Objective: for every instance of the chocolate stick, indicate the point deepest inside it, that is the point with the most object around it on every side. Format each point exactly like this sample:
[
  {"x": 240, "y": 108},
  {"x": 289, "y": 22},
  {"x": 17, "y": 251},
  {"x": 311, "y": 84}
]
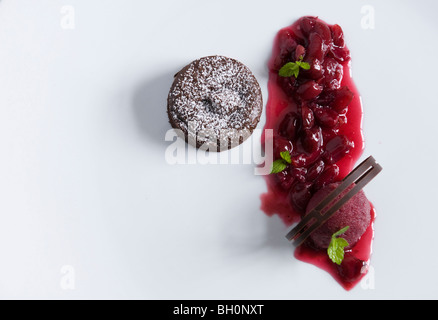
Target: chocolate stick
[{"x": 357, "y": 179}]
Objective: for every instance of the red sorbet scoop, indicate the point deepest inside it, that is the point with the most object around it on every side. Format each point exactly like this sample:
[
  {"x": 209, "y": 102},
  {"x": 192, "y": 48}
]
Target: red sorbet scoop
[{"x": 356, "y": 214}]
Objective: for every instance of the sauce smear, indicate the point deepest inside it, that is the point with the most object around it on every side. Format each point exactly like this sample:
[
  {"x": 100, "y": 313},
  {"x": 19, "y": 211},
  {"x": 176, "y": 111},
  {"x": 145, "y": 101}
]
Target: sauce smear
[{"x": 317, "y": 118}]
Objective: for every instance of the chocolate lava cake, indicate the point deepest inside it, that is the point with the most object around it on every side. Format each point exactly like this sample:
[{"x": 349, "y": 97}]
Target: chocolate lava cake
[{"x": 215, "y": 102}]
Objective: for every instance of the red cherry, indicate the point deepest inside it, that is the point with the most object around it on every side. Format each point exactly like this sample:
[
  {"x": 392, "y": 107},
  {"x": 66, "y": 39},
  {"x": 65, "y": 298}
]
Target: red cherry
[
  {"x": 328, "y": 176},
  {"x": 287, "y": 45},
  {"x": 337, "y": 35},
  {"x": 286, "y": 41},
  {"x": 337, "y": 148},
  {"x": 351, "y": 268},
  {"x": 309, "y": 90},
  {"x": 307, "y": 117},
  {"x": 288, "y": 85},
  {"x": 300, "y": 196},
  {"x": 281, "y": 145},
  {"x": 299, "y": 174},
  {"x": 315, "y": 170},
  {"x": 285, "y": 180},
  {"x": 316, "y": 70},
  {"x": 324, "y": 31},
  {"x": 342, "y": 99},
  {"x": 312, "y": 140},
  {"x": 326, "y": 117},
  {"x": 340, "y": 54},
  {"x": 289, "y": 126},
  {"x": 316, "y": 48},
  {"x": 307, "y": 24},
  {"x": 333, "y": 74}
]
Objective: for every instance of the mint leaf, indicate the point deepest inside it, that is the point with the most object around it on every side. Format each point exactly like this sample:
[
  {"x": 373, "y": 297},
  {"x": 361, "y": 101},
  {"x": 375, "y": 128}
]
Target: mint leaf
[
  {"x": 335, "y": 250},
  {"x": 281, "y": 164},
  {"x": 285, "y": 155},
  {"x": 342, "y": 231},
  {"x": 296, "y": 72},
  {"x": 303, "y": 65},
  {"x": 278, "y": 166},
  {"x": 336, "y": 247},
  {"x": 288, "y": 70},
  {"x": 293, "y": 68}
]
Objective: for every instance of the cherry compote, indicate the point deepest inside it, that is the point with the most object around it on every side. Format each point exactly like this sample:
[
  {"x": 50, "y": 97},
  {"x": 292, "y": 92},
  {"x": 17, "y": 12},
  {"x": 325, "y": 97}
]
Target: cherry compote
[{"x": 316, "y": 116}]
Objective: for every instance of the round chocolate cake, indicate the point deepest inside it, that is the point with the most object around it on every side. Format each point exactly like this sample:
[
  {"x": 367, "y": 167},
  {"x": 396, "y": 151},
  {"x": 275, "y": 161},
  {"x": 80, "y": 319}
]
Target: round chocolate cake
[{"x": 215, "y": 102}]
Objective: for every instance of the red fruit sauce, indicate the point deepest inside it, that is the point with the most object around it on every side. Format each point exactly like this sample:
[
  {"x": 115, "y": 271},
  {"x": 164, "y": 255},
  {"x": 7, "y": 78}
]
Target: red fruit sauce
[{"x": 317, "y": 117}]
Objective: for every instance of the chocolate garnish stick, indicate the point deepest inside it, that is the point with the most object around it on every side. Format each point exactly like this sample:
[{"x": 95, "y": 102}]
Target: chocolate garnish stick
[{"x": 356, "y": 180}]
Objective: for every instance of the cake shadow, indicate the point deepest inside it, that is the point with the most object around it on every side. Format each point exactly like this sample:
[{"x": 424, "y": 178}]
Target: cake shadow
[{"x": 149, "y": 103}]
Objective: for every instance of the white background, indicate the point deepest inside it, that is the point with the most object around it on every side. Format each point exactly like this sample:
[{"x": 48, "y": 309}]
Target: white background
[{"x": 84, "y": 182}]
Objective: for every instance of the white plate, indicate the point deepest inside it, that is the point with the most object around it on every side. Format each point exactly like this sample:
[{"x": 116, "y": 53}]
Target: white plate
[{"x": 91, "y": 208}]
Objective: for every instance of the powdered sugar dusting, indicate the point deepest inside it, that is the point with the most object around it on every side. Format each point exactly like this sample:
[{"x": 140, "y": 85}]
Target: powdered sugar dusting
[{"x": 214, "y": 94}]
